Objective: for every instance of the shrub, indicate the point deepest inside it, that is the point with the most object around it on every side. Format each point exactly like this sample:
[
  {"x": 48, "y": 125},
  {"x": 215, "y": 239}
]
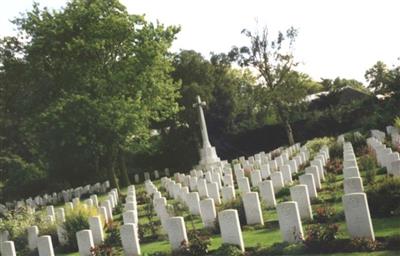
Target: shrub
[
  {"x": 285, "y": 191},
  {"x": 20, "y": 174},
  {"x": 16, "y": 222},
  {"x": 334, "y": 166},
  {"x": 324, "y": 214},
  {"x": 363, "y": 245},
  {"x": 319, "y": 236},
  {"x": 357, "y": 140},
  {"x": 384, "y": 197},
  {"x": 316, "y": 144},
  {"x": 336, "y": 150},
  {"x": 77, "y": 220},
  {"x": 228, "y": 249},
  {"x": 101, "y": 250},
  {"x": 397, "y": 122},
  {"x": 114, "y": 238},
  {"x": 197, "y": 246}
]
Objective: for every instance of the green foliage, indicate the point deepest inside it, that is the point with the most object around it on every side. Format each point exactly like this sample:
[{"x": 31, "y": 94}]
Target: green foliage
[
  {"x": 196, "y": 246},
  {"x": 368, "y": 164},
  {"x": 384, "y": 197},
  {"x": 318, "y": 237},
  {"x": 393, "y": 242},
  {"x": 358, "y": 141},
  {"x": 336, "y": 150},
  {"x": 316, "y": 144},
  {"x": 334, "y": 166},
  {"x": 228, "y": 249},
  {"x": 397, "y": 122},
  {"x": 283, "y": 192},
  {"x": 18, "y": 173},
  {"x": 77, "y": 220},
  {"x": 94, "y": 78},
  {"x": 114, "y": 238},
  {"x": 324, "y": 214},
  {"x": 363, "y": 245}
]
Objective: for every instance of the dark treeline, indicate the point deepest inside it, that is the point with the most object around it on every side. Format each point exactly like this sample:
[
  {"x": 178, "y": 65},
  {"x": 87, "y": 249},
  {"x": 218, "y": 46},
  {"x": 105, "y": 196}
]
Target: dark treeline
[{"x": 91, "y": 92}]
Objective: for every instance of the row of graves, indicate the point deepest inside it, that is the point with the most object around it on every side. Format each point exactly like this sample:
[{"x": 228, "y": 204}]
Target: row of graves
[{"x": 202, "y": 191}]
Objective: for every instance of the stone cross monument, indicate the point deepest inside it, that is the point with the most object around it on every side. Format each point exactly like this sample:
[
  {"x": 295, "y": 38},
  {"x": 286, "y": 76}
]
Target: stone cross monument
[{"x": 208, "y": 155}]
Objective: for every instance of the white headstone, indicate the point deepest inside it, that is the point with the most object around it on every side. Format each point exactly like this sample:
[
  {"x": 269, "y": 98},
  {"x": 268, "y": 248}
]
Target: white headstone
[
  {"x": 300, "y": 195},
  {"x": 252, "y": 208},
  {"x": 213, "y": 192},
  {"x": 176, "y": 232},
  {"x": 130, "y": 239},
  {"x": 308, "y": 179},
  {"x": 243, "y": 184},
  {"x": 267, "y": 193},
  {"x": 97, "y": 229},
  {"x": 207, "y": 212},
  {"x": 228, "y": 194},
  {"x": 33, "y": 234},
  {"x": 231, "y": 232},
  {"x": 45, "y": 246},
  {"x": 277, "y": 181},
  {"x": 85, "y": 242},
  {"x": 289, "y": 222},
  {"x": 358, "y": 219},
  {"x": 353, "y": 185}
]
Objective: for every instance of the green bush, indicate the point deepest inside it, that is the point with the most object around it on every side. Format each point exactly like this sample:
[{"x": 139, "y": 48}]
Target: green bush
[
  {"x": 336, "y": 150},
  {"x": 77, "y": 220},
  {"x": 227, "y": 249},
  {"x": 197, "y": 246},
  {"x": 316, "y": 144},
  {"x": 397, "y": 122},
  {"x": 318, "y": 237},
  {"x": 285, "y": 191},
  {"x": 384, "y": 197},
  {"x": 358, "y": 141},
  {"x": 20, "y": 174},
  {"x": 363, "y": 245},
  {"x": 368, "y": 164}
]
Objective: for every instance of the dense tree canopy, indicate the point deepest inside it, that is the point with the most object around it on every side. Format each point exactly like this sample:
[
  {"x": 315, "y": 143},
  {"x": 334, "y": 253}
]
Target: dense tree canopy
[{"x": 82, "y": 84}]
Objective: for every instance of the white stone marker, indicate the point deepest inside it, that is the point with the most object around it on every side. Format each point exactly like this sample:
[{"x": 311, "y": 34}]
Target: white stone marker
[
  {"x": 277, "y": 181},
  {"x": 255, "y": 177},
  {"x": 85, "y": 242},
  {"x": 213, "y": 192},
  {"x": 289, "y": 222},
  {"x": 243, "y": 184},
  {"x": 95, "y": 200},
  {"x": 7, "y": 248},
  {"x": 353, "y": 185},
  {"x": 265, "y": 171},
  {"x": 50, "y": 210},
  {"x": 286, "y": 174},
  {"x": 176, "y": 232},
  {"x": 207, "y": 212},
  {"x": 103, "y": 213},
  {"x": 314, "y": 171},
  {"x": 228, "y": 194},
  {"x": 308, "y": 179},
  {"x": 202, "y": 188},
  {"x": 350, "y": 172},
  {"x": 33, "y": 234},
  {"x": 193, "y": 202},
  {"x": 130, "y": 217},
  {"x": 130, "y": 239},
  {"x": 252, "y": 208},
  {"x": 300, "y": 195},
  {"x": 229, "y": 224},
  {"x": 267, "y": 193},
  {"x": 60, "y": 215},
  {"x": 45, "y": 246},
  {"x": 97, "y": 229},
  {"x": 358, "y": 219},
  {"x": 228, "y": 180}
]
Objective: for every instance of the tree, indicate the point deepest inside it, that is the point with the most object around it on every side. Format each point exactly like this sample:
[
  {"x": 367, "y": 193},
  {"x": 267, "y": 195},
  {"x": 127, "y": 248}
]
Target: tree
[
  {"x": 378, "y": 77},
  {"x": 281, "y": 87},
  {"x": 96, "y": 79}
]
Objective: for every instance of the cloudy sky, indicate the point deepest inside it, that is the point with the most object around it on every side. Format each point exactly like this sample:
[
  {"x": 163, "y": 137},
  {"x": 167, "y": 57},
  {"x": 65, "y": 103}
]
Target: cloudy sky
[{"x": 336, "y": 37}]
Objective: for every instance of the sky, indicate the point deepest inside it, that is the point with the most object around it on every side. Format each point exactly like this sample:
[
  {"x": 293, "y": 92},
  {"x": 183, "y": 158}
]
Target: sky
[{"x": 336, "y": 37}]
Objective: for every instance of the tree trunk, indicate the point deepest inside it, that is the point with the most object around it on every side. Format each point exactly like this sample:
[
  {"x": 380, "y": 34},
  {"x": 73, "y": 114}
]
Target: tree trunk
[
  {"x": 111, "y": 169},
  {"x": 289, "y": 132},
  {"x": 124, "y": 178}
]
